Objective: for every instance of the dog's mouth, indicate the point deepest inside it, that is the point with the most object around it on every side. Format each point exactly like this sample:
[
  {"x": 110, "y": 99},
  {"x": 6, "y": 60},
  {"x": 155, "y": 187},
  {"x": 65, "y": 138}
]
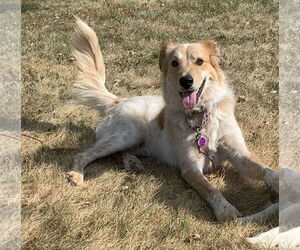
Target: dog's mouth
[{"x": 190, "y": 98}]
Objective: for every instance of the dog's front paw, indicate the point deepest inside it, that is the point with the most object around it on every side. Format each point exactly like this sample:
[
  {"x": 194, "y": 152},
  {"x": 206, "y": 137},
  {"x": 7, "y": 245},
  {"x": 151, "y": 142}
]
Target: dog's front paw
[
  {"x": 75, "y": 177},
  {"x": 271, "y": 179},
  {"x": 226, "y": 212}
]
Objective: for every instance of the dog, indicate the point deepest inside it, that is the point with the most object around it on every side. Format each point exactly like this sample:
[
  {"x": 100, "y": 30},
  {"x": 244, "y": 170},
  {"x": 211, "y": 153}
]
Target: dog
[{"x": 191, "y": 126}]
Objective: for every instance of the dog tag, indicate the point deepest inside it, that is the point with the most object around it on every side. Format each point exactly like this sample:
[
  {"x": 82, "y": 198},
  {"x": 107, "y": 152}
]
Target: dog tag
[{"x": 202, "y": 141}]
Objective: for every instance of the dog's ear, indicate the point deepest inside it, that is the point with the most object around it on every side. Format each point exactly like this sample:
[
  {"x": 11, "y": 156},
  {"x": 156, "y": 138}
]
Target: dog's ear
[
  {"x": 215, "y": 55},
  {"x": 212, "y": 47},
  {"x": 165, "y": 49}
]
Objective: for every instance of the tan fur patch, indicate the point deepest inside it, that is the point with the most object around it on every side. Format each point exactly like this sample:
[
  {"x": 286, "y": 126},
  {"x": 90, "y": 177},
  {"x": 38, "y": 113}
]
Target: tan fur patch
[
  {"x": 75, "y": 177},
  {"x": 160, "y": 119},
  {"x": 119, "y": 100},
  {"x": 206, "y": 50},
  {"x": 226, "y": 105}
]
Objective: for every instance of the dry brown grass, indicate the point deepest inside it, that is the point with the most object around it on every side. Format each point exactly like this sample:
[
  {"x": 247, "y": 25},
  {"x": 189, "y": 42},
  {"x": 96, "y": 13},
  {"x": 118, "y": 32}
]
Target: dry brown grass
[{"x": 155, "y": 209}]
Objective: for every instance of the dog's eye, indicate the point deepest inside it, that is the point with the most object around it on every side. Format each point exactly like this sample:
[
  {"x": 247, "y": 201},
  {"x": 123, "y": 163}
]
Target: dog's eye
[
  {"x": 199, "y": 61},
  {"x": 174, "y": 63}
]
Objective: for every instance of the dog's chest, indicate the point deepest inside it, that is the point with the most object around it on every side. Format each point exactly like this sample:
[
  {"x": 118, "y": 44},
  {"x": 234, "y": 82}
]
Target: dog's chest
[
  {"x": 203, "y": 127},
  {"x": 177, "y": 139}
]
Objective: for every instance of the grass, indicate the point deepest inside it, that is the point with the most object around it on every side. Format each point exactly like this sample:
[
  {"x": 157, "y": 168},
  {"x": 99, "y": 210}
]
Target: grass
[{"x": 155, "y": 209}]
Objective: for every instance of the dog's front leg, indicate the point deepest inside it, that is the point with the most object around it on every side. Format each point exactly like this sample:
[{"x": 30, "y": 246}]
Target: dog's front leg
[
  {"x": 246, "y": 163},
  {"x": 223, "y": 210}
]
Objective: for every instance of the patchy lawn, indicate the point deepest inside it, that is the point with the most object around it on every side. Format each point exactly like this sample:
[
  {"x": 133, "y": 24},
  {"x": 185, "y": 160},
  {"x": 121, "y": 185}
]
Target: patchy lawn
[{"x": 155, "y": 209}]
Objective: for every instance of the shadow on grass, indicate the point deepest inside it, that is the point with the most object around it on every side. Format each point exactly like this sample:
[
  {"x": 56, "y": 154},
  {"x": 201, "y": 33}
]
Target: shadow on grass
[
  {"x": 173, "y": 191},
  {"x": 59, "y": 156},
  {"x": 42, "y": 126},
  {"x": 29, "y": 7},
  {"x": 247, "y": 197},
  {"x": 36, "y": 125}
]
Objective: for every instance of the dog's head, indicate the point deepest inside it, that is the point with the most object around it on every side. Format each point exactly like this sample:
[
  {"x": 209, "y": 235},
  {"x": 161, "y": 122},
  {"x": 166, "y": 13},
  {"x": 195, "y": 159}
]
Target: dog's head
[{"x": 189, "y": 70}]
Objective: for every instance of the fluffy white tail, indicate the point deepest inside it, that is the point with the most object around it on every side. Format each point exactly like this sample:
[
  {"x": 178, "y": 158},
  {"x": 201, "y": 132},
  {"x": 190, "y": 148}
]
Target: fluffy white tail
[{"x": 90, "y": 85}]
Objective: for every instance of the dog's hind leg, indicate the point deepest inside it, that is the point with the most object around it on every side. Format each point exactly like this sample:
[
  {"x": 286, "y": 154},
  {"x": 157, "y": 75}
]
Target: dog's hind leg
[
  {"x": 105, "y": 145},
  {"x": 245, "y": 162}
]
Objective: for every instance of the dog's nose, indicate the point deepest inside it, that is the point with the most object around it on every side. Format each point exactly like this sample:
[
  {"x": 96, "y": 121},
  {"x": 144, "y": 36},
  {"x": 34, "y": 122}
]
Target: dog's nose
[{"x": 186, "y": 81}]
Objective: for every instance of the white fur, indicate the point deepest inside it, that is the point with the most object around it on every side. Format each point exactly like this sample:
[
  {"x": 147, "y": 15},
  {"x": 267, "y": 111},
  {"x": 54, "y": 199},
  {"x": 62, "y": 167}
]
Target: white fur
[
  {"x": 273, "y": 238},
  {"x": 178, "y": 55}
]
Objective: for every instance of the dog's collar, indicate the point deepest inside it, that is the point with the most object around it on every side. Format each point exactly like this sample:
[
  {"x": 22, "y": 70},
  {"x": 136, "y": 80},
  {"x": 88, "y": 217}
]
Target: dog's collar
[{"x": 197, "y": 118}]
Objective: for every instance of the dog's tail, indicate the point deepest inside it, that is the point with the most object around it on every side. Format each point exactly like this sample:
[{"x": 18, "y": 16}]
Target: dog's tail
[{"x": 90, "y": 85}]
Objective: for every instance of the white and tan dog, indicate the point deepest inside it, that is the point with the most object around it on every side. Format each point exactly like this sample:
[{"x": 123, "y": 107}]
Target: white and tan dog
[{"x": 160, "y": 127}]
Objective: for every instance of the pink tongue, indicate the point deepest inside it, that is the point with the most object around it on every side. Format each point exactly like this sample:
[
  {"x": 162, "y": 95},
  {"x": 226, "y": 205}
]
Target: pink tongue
[{"x": 189, "y": 99}]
